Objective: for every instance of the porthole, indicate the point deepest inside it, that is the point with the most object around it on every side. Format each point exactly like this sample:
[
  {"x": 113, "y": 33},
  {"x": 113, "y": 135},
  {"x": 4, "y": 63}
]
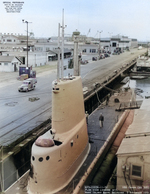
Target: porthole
[
  {"x": 71, "y": 143},
  {"x": 47, "y": 157},
  {"x": 77, "y": 136},
  {"x": 40, "y": 159},
  {"x": 33, "y": 158}
]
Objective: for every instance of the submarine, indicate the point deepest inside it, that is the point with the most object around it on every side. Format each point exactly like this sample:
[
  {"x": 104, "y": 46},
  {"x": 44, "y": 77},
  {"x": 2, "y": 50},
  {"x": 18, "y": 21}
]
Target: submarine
[{"x": 57, "y": 155}]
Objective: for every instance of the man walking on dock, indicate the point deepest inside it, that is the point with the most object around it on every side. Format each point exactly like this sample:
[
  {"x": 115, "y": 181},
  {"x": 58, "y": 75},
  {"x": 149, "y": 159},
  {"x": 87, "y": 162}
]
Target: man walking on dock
[{"x": 101, "y": 120}]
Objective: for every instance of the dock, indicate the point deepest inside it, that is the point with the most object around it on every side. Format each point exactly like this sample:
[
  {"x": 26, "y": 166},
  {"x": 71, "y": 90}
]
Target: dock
[{"x": 98, "y": 138}]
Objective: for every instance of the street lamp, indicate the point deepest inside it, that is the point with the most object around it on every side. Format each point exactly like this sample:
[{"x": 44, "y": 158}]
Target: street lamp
[
  {"x": 99, "y": 40},
  {"x": 110, "y": 39},
  {"x": 118, "y": 40},
  {"x": 27, "y": 38}
]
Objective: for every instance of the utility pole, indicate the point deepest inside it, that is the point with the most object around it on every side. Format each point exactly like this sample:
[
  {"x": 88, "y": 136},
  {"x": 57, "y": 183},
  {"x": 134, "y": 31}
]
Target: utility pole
[{"x": 27, "y": 37}]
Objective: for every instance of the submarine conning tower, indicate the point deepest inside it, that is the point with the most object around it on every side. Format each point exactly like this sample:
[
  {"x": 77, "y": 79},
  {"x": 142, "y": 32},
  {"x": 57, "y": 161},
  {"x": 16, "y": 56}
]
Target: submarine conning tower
[
  {"x": 68, "y": 104},
  {"x": 67, "y": 97}
]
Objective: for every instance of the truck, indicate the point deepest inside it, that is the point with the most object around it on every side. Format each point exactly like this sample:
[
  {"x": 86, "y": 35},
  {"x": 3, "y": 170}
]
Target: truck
[{"x": 27, "y": 85}]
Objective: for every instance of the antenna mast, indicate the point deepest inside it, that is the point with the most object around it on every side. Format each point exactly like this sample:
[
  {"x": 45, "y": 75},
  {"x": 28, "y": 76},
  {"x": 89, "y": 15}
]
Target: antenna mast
[
  {"x": 58, "y": 64},
  {"x": 62, "y": 50}
]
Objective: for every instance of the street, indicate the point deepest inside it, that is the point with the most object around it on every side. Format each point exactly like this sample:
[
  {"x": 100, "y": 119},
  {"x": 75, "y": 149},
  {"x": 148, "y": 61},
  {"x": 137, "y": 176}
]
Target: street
[{"x": 18, "y": 115}]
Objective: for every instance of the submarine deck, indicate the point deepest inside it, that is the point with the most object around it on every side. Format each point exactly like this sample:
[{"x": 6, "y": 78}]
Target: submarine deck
[{"x": 97, "y": 135}]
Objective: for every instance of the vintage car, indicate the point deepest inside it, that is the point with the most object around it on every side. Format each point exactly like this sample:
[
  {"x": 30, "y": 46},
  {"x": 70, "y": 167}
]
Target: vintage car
[{"x": 27, "y": 85}]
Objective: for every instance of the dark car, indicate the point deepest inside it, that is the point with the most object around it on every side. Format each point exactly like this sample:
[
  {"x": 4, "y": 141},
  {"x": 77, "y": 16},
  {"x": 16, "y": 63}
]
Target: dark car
[
  {"x": 94, "y": 58},
  {"x": 108, "y": 52},
  {"x": 106, "y": 55}
]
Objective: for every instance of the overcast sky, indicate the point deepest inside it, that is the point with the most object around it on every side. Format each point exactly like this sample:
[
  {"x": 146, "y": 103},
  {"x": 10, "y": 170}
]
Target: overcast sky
[{"x": 125, "y": 17}]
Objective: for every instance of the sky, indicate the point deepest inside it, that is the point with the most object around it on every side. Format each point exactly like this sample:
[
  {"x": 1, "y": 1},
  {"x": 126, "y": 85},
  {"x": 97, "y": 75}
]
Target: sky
[{"x": 113, "y": 17}]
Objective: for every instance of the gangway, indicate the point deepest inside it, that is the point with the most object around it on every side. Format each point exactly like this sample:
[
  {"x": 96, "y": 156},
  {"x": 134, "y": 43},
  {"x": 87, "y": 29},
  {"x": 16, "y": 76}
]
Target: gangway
[{"x": 129, "y": 105}]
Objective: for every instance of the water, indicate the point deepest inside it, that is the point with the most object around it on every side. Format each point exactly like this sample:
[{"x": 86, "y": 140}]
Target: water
[{"x": 141, "y": 87}]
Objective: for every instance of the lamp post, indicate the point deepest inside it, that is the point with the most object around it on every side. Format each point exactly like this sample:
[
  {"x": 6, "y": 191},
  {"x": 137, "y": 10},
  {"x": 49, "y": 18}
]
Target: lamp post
[
  {"x": 27, "y": 38},
  {"x": 118, "y": 40},
  {"x": 110, "y": 37},
  {"x": 99, "y": 41}
]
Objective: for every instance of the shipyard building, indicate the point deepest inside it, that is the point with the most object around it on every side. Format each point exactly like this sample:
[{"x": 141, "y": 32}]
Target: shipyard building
[{"x": 43, "y": 50}]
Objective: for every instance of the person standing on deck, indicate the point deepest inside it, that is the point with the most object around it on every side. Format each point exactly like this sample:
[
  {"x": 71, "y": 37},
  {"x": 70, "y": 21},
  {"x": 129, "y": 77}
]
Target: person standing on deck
[
  {"x": 101, "y": 120},
  {"x": 87, "y": 115}
]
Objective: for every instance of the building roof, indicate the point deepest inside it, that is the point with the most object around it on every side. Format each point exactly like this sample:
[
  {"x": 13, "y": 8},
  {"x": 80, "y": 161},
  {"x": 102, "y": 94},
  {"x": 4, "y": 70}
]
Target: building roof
[
  {"x": 140, "y": 125},
  {"x": 134, "y": 145},
  {"x": 6, "y": 58},
  {"x": 138, "y": 134},
  {"x": 141, "y": 121}
]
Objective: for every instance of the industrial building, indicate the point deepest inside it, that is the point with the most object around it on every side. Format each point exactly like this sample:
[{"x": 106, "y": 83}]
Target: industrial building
[{"x": 43, "y": 50}]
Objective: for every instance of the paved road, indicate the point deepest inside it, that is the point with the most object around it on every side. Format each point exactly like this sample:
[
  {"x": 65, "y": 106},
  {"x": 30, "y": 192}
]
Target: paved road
[{"x": 18, "y": 115}]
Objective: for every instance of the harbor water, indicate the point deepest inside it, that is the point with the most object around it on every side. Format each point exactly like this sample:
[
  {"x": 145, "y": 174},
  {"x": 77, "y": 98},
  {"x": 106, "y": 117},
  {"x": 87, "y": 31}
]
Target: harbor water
[{"x": 141, "y": 88}]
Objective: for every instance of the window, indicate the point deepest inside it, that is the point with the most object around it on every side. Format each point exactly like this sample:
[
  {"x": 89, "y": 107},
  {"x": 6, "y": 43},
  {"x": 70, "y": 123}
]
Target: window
[
  {"x": 5, "y": 63},
  {"x": 114, "y": 44},
  {"x": 71, "y": 143},
  {"x": 40, "y": 159},
  {"x": 47, "y": 157},
  {"x": 137, "y": 170},
  {"x": 92, "y": 50}
]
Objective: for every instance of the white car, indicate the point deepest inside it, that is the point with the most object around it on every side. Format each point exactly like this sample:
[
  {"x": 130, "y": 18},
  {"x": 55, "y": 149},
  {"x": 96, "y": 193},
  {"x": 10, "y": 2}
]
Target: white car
[{"x": 27, "y": 85}]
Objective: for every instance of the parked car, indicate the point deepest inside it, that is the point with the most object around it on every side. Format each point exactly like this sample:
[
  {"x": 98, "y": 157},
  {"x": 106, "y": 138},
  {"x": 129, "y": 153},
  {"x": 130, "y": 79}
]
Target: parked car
[
  {"x": 94, "y": 58},
  {"x": 108, "y": 52},
  {"x": 84, "y": 61},
  {"x": 106, "y": 55},
  {"x": 102, "y": 56}
]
